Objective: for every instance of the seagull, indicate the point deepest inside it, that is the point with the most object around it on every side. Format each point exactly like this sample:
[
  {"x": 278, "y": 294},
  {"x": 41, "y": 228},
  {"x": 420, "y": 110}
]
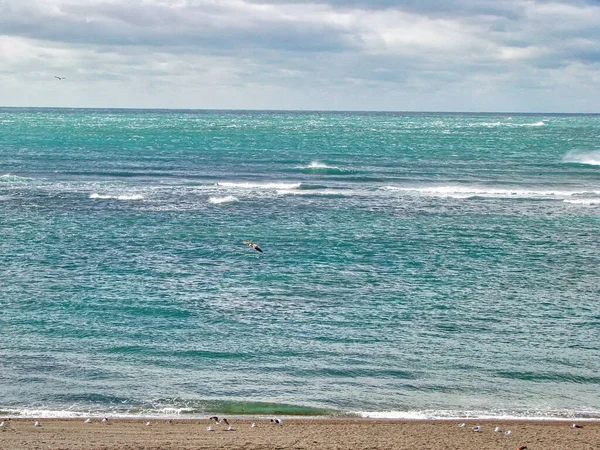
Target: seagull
[
  {"x": 88, "y": 421},
  {"x": 251, "y": 426},
  {"x": 230, "y": 429},
  {"x": 508, "y": 433},
  {"x": 461, "y": 425},
  {"x": 217, "y": 421},
  {"x": 477, "y": 428},
  {"x": 577, "y": 426},
  {"x": 2, "y": 424},
  {"x": 59, "y": 78},
  {"x": 105, "y": 419},
  {"x": 36, "y": 424},
  {"x": 148, "y": 424},
  {"x": 209, "y": 429},
  {"x": 497, "y": 429},
  {"x": 252, "y": 245},
  {"x": 277, "y": 421}
]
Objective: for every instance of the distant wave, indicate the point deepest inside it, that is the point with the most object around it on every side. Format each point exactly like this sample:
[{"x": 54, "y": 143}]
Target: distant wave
[
  {"x": 271, "y": 186},
  {"x": 591, "y": 158},
  {"x": 8, "y": 178},
  {"x": 541, "y": 123},
  {"x": 493, "y": 192},
  {"x": 223, "y": 200},
  {"x": 316, "y": 167},
  {"x": 117, "y": 197},
  {"x": 584, "y": 201}
]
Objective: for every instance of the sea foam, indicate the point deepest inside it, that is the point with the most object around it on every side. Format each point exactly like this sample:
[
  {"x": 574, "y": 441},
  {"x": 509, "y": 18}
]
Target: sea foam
[
  {"x": 592, "y": 158},
  {"x": 117, "y": 197},
  {"x": 317, "y": 167},
  {"x": 223, "y": 200},
  {"x": 487, "y": 191},
  {"x": 257, "y": 186}
]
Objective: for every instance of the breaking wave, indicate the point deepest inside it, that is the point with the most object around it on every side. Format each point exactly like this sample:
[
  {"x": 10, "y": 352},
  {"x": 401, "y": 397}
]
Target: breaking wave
[
  {"x": 223, "y": 200},
  {"x": 319, "y": 168},
  {"x": 591, "y": 158},
  {"x": 256, "y": 186},
  {"x": 540, "y": 123},
  {"x": 584, "y": 201},
  {"x": 473, "y": 192},
  {"x": 96, "y": 196},
  {"x": 8, "y": 178}
]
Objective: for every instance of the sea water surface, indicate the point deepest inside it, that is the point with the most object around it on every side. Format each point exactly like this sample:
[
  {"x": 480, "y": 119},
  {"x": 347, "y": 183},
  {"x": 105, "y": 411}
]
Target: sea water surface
[{"x": 414, "y": 265}]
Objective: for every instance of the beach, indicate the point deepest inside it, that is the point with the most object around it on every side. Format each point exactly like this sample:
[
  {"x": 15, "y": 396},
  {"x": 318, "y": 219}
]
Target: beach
[{"x": 320, "y": 433}]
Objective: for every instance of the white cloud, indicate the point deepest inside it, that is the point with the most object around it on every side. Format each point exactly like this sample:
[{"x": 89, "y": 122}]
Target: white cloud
[{"x": 427, "y": 55}]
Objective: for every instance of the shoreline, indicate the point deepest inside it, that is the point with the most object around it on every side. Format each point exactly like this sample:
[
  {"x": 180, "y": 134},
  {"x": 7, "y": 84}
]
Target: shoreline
[{"x": 297, "y": 433}]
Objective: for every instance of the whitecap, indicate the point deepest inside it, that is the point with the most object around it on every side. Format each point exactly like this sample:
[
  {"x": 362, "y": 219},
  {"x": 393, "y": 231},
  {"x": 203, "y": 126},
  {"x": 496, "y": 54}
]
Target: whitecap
[
  {"x": 486, "y": 191},
  {"x": 584, "y": 201},
  {"x": 256, "y": 186},
  {"x": 7, "y": 177},
  {"x": 223, "y": 200},
  {"x": 591, "y": 158},
  {"x": 117, "y": 197},
  {"x": 317, "y": 167}
]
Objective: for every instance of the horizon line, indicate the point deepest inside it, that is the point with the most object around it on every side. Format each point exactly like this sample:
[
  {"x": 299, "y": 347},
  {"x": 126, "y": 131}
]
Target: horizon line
[{"x": 275, "y": 110}]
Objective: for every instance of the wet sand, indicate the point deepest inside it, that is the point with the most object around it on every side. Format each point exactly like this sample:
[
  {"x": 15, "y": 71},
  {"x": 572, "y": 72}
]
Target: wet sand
[{"x": 322, "y": 433}]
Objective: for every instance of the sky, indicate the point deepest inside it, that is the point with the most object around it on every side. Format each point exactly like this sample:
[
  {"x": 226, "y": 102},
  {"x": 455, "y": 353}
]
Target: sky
[{"x": 366, "y": 55}]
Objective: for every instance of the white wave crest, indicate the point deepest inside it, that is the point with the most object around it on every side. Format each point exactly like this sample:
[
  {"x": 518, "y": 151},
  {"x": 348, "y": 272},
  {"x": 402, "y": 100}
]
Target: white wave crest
[
  {"x": 117, "y": 197},
  {"x": 584, "y": 201},
  {"x": 491, "y": 191},
  {"x": 319, "y": 165},
  {"x": 541, "y": 123},
  {"x": 7, "y": 177},
  {"x": 592, "y": 158},
  {"x": 256, "y": 186},
  {"x": 164, "y": 413},
  {"x": 541, "y": 415},
  {"x": 223, "y": 200}
]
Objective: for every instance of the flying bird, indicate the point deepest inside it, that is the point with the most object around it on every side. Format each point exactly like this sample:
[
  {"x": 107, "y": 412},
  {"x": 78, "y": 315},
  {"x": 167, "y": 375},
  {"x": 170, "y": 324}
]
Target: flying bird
[
  {"x": 252, "y": 245},
  {"x": 59, "y": 78},
  {"x": 217, "y": 421}
]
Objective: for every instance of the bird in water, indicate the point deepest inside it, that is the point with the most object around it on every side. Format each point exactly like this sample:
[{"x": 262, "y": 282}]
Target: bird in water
[{"x": 252, "y": 245}]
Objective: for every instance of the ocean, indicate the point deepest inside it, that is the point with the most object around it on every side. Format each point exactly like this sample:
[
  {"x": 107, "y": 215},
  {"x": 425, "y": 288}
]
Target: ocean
[{"x": 414, "y": 265}]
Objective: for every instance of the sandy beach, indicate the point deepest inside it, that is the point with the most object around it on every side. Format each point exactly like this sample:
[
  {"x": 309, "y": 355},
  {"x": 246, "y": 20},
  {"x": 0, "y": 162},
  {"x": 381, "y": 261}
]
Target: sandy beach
[{"x": 296, "y": 434}]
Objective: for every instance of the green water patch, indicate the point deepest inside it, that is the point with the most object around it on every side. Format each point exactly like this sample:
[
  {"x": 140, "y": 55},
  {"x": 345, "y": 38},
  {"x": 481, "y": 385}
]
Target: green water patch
[{"x": 257, "y": 409}]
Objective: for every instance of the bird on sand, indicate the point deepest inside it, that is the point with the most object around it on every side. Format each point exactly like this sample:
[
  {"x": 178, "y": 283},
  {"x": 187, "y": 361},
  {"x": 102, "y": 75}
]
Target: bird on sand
[{"x": 252, "y": 245}]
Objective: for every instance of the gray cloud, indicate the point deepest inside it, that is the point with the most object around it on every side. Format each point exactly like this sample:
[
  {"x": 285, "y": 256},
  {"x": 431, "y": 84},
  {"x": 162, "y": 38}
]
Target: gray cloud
[{"x": 286, "y": 53}]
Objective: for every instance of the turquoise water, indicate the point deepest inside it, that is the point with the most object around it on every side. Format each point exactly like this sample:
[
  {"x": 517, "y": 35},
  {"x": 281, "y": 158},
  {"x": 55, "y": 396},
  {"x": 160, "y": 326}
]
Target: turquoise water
[{"x": 414, "y": 265}]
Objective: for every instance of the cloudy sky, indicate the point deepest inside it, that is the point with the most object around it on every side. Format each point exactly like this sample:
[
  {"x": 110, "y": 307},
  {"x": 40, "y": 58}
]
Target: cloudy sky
[{"x": 400, "y": 55}]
